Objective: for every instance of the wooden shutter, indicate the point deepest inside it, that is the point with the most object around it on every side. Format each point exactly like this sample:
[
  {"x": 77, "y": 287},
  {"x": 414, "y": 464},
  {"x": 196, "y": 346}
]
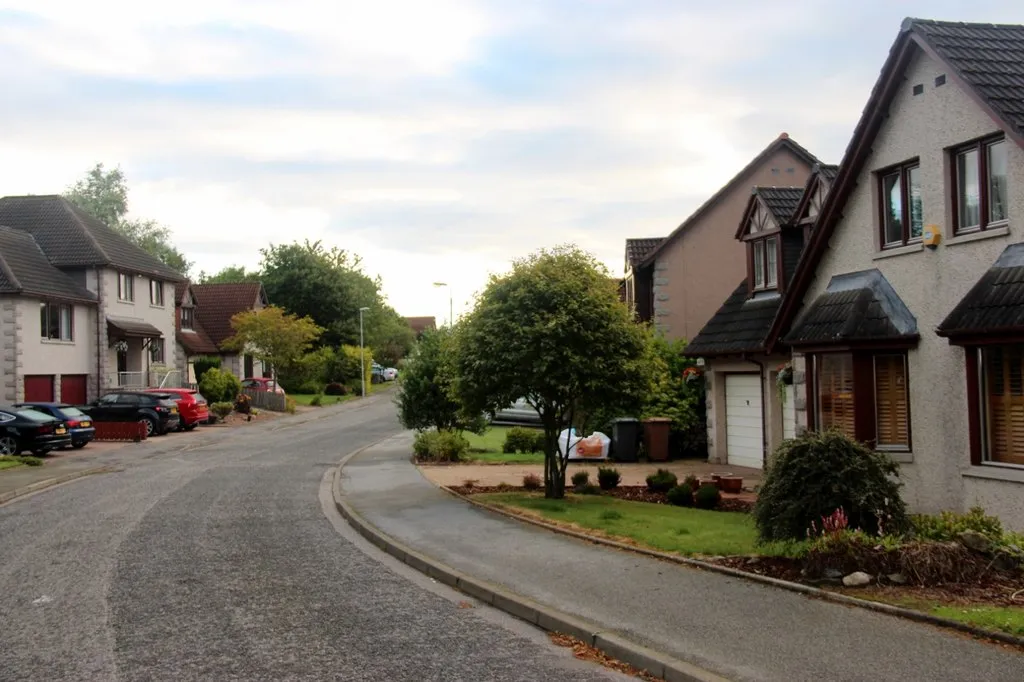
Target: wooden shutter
[
  {"x": 1004, "y": 392},
  {"x": 892, "y": 415},
  {"x": 835, "y": 392}
]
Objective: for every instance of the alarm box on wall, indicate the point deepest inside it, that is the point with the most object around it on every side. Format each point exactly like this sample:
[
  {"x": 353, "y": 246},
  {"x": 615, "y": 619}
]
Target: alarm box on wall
[{"x": 931, "y": 236}]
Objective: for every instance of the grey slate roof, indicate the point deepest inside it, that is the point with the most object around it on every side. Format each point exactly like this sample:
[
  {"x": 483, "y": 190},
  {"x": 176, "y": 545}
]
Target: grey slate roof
[
  {"x": 856, "y": 306},
  {"x": 781, "y": 201},
  {"x": 71, "y": 238},
  {"x": 828, "y": 171},
  {"x": 995, "y": 303},
  {"x": 739, "y": 326},
  {"x": 638, "y": 249},
  {"x": 25, "y": 270},
  {"x": 989, "y": 57}
]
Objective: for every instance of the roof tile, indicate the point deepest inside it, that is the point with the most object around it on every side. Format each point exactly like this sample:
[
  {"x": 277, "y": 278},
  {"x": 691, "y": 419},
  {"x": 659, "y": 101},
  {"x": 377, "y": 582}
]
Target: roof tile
[
  {"x": 995, "y": 302},
  {"x": 637, "y": 249},
  {"x": 216, "y": 304},
  {"x": 24, "y": 269}
]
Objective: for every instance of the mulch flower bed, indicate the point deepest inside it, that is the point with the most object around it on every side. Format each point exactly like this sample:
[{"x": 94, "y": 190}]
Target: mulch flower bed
[{"x": 632, "y": 493}]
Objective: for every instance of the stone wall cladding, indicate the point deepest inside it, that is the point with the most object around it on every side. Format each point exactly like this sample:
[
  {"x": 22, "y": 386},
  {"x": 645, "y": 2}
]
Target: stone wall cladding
[{"x": 8, "y": 350}]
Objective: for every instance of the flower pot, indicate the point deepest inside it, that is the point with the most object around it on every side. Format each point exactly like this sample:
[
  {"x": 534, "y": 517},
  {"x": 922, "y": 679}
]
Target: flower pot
[
  {"x": 731, "y": 484},
  {"x": 708, "y": 481}
]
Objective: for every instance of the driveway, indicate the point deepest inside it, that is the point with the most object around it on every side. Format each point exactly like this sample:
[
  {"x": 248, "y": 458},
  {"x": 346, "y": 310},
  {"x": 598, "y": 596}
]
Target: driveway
[{"x": 223, "y": 560}]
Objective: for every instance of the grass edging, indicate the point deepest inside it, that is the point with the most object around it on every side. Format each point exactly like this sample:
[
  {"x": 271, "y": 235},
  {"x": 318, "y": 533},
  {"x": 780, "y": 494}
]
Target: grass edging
[{"x": 808, "y": 590}]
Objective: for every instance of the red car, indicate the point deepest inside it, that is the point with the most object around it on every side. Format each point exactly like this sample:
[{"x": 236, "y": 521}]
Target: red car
[
  {"x": 262, "y": 384},
  {"x": 191, "y": 406}
]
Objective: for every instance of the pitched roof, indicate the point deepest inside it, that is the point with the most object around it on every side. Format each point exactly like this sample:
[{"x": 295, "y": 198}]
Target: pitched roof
[
  {"x": 783, "y": 141},
  {"x": 985, "y": 60},
  {"x": 216, "y": 304},
  {"x": 180, "y": 288},
  {"x": 197, "y": 342},
  {"x": 129, "y": 328},
  {"x": 829, "y": 171},
  {"x": 421, "y": 324},
  {"x": 638, "y": 248},
  {"x": 72, "y": 238},
  {"x": 995, "y": 303},
  {"x": 25, "y": 270},
  {"x": 781, "y": 201},
  {"x": 856, "y": 306},
  {"x": 739, "y": 326}
]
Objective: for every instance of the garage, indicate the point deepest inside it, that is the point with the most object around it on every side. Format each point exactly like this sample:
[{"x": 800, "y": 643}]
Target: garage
[
  {"x": 39, "y": 388},
  {"x": 744, "y": 435},
  {"x": 74, "y": 388}
]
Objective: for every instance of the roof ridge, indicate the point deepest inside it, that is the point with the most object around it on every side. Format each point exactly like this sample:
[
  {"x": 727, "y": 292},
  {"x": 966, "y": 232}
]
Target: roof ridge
[
  {"x": 73, "y": 209},
  {"x": 909, "y": 23}
]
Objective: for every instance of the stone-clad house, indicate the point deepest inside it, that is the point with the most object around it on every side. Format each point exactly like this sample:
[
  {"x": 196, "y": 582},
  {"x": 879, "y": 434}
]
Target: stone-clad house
[{"x": 82, "y": 309}]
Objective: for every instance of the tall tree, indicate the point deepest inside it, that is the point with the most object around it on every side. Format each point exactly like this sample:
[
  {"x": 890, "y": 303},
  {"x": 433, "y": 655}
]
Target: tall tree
[
  {"x": 104, "y": 194},
  {"x": 231, "y": 274},
  {"x": 553, "y": 331},
  {"x": 272, "y": 335}
]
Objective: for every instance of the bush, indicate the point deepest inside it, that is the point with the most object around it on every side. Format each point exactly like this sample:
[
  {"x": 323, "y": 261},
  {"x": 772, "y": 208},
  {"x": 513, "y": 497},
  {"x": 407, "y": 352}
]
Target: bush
[
  {"x": 440, "y": 446},
  {"x": 201, "y": 364},
  {"x": 539, "y": 441},
  {"x": 532, "y": 482},
  {"x": 422, "y": 442},
  {"x": 243, "y": 404},
  {"x": 519, "y": 439},
  {"x": 424, "y": 397},
  {"x": 317, "y": 400},
  {"x": 661, "y": 481},
  {"x": 29, "y": 461},
  {"x": 681, "y": 496},
  {"x": 812, "y": 476},
  {"x": 580, "y": 478},
  {"x": 222, "y": 409},
  {"x": 289, "y": 405},
  {"x": 608, "y": 478},
  {"x": 588, "y": 489},
  {"x": 218, "y": 386},
  {"x": 707, "y": 497},
  {"x": 948, "y": 525},
  {"x": 334, "y": 388},
  {"x": 692, "y": 481}
]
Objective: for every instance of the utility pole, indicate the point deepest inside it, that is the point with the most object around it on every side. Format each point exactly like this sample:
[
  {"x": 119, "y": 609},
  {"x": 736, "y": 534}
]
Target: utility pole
[{"x": 362, "y": 360}]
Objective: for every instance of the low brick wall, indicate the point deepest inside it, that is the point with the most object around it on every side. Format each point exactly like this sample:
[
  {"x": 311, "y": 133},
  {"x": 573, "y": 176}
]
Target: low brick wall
[{"x": 120, "y": 431}]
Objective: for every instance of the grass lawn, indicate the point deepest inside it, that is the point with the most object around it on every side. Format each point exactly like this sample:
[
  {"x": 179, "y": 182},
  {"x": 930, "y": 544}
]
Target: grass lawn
[
  {"x": 307, "y": 398},
  {"x": 6, "y": 463},
  {"x": 662, "y": 527},
  {"x": 1007, "y": 619},
  {"x": 486, "y": 448}
]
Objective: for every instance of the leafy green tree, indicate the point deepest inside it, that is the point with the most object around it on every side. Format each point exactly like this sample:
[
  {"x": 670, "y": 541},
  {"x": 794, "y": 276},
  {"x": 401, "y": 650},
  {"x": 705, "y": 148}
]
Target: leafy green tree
[
  {"x": 275, "y": 337},
  {"x": 553, "y": 331},
  {"x": 425, "y": 398},
  {"x": 104, "y": 194},
  {"x": 230, "y": 275}
]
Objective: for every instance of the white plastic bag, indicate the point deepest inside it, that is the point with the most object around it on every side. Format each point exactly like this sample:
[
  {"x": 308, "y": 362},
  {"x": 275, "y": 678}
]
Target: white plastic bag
[
  {"x": 572, "y": 438},
  {"x": 594, "y": 446}
]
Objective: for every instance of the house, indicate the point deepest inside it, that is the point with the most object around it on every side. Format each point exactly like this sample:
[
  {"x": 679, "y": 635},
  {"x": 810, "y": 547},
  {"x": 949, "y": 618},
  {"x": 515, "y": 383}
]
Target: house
[
  {"x": 421, "y": 324},
  {"x": 638, "y": 280},
  {"x": 204, "y": 313},
  {"x": 690, "y": 272},
  {"x": 748, "y": 412},
  {"x": 104, "y": 300},
  {"x": 906, "y": 314}
]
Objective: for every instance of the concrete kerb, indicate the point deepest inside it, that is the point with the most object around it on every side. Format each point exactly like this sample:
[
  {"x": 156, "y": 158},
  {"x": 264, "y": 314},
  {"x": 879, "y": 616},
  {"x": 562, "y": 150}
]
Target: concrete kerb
[
  {"x": 653, "y": 662},
  {"x": 814, "y": 592},
  {"x": 51, "y": 482}
]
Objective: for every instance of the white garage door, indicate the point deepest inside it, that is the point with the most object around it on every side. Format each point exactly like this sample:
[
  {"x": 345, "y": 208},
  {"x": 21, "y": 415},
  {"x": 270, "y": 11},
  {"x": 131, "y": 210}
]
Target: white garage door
[
  {"x": 789, "y": 414},
  {"x": 744, "y": 437}
]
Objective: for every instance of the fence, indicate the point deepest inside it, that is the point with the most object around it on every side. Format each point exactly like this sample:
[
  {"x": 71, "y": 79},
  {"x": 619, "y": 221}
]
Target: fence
[
  {"x": 267, "y": 400},
  {"x": 120, "y": 431},
  {"x": 163, "y": 378}
]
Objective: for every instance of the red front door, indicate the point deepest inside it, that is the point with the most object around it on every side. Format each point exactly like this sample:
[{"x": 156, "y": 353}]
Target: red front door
[
  {"x": 39, "y": 388},
  {"x": 73, "y": 388}
]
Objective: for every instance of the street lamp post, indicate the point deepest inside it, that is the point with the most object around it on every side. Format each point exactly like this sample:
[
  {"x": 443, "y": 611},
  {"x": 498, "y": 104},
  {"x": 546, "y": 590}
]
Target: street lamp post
[
  {"x": 451, "y": 316},
  {"x": 362, "y": 361}
]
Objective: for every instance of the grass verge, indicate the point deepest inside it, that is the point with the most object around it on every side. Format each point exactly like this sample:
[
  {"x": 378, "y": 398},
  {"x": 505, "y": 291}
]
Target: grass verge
[
  {"x": 1003, "y": 618},
  {"x": 11, "y": 461},
  {"x": 486, "y": 449},
  {"x": 306, "y": 399}
]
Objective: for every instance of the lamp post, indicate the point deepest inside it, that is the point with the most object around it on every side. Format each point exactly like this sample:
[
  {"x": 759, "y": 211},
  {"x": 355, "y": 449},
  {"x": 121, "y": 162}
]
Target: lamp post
[
  {"x": 451, "y": 316},
  {"x": 362, "y": 361}
]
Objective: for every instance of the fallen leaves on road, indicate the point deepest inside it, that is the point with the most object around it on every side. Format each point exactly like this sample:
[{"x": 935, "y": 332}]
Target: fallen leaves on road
[
  {"x": 585, "y": 652},
  {"x": 465, "y": 605}
]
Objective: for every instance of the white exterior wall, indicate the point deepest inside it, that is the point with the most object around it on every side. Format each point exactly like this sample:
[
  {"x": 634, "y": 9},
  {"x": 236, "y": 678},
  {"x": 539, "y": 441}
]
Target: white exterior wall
[
  {"x": 43, "y": 356},
  {"x": 161, "y": 317},
  {"x": 938, "y": 473}
]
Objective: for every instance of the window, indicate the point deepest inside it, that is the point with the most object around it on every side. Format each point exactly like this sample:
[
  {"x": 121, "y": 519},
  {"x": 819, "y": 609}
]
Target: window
[
  {"x": 56, "y": 321},
  {"x": 891, "y": 402},
  {"x": 766, "y": 263},
  {"x": 835, "y": 393},
  {"x": 1002, "y": 381},
  {"x": 902, "y": 212},
  {"x": 156, "y": 292},
  {"x": 187, "y": 318},
  {"x": 125, "y": 287},
  {"x": 865, "y": 396},
  {"x": 979, "y": 179}
]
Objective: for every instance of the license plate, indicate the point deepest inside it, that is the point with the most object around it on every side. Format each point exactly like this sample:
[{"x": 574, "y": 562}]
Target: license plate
[
  {"x": 86, "y": 425},
  {"x": 174, "y": 410},
  {"x": 61, "y": 430}
]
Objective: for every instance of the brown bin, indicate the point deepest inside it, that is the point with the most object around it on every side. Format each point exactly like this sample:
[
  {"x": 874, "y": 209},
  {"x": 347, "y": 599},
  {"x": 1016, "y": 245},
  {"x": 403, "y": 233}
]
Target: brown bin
[{"x": 656, "y": 432}]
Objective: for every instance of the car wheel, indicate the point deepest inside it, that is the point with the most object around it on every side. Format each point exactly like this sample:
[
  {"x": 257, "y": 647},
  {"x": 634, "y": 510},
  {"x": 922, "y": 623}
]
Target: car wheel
[
  {"x": 150, "y": 426},
  {"x": 79, "y": 445},
  {"x": 8, "y": 446},
  {"x": 190, "y": 427}
]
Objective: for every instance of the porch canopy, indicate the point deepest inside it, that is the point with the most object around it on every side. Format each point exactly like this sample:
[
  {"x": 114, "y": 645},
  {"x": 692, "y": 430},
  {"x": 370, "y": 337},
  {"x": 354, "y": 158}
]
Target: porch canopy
[
  {"x": 857, "y": 308},
  {"x": 121, "y": 328},
  {"x": 994, "y": 307}
]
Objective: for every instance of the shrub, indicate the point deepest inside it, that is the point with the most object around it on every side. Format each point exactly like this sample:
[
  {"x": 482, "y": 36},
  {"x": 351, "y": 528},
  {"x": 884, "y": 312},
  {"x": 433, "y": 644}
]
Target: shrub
[
  {"x": 532, "y": 482},
  {"x": 588, "y": 489},
  {"x": 539, "y": 441},
  {"x": 681, "y": 496},
  {"x": 334, "y": 388},
  {"x": 289, "y": 405},
  {"x": 30, "y": 461},
  {"x": 317, "y": 400},
  {"x": 661, "y": 481},
  {"x": 243, "y": 404},
  {"x": 201, "y": 364},
  {"x": 692, "y": 481},
  {"x": 421, "y": 444},
  {"x": 304, "y": 388},
  {"x": 707, "y": 497},
  {"x": 425, "y": 395},
  {"x": 519, "y": 439},
  {"x": 219, "y": 386},
  {"x": 608, "y": 478},
  {"x": 222, "y": 409},
  {"x": 440, "y": 446},
  {"x": 948, "y": 525},
  {"x": 817, "y": 473},
  {"x": 581, "y": 478}
]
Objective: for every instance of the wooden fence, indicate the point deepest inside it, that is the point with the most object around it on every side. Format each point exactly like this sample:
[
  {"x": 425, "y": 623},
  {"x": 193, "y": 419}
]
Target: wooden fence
[
  {"x": 266, "y": 400},
  {"x": 120, "y": 431}
]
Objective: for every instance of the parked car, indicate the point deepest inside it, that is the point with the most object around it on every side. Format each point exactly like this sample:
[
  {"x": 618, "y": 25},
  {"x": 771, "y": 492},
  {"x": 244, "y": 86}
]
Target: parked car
[
  {"x": 24, "y": 429},
  {"x": 157, "y": 410},
  {"x": 79, "y": 423},
  {"x": 192, "y": 406},
  {"x": 376, "y": 373},
  {"x": 262, "y": 384},
  {"x": 519, "y": 412},
  {"x": 390, "y": 374}
]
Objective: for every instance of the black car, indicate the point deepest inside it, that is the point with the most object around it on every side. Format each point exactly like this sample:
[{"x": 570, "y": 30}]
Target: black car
[
  {"x": 79, "y": 423},
  {"x": 158, "y": 411},
  {"x": 23, "y": 429}
]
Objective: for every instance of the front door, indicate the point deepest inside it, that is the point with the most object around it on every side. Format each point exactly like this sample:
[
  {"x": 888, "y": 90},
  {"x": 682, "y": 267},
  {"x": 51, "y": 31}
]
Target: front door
[{"x": 248, "y": 366}]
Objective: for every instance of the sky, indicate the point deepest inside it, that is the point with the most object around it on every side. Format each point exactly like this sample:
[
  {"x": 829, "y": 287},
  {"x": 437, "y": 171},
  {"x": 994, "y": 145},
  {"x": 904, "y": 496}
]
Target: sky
[{"x": 437, "y": 140}]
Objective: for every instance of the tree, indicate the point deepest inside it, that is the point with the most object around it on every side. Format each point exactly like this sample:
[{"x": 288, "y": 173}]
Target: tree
[
  {"x": 553, "y": 331},
  {"x": 425, "y": 398},
  {"x": 104, "y": 194},
  {"x": 272, "y": 335},
  {"x": 230, "y": 274}
]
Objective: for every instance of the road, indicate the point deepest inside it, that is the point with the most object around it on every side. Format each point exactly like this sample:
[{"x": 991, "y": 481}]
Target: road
[{"x": 226, "y": 561}]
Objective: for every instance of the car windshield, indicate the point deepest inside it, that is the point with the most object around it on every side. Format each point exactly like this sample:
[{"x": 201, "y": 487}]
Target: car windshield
[
  {"x": 199, "y": 397},
  {"x": 73, "y": 412},
  {"x": 32, "y": 415}
]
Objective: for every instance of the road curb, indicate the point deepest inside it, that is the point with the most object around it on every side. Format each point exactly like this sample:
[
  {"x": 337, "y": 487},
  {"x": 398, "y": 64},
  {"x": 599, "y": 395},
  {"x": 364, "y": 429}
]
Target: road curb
[
  {"x": 806, "y": 590},
  {"x": 655, "y": 663},
  {"x": 50, "y": 482}
]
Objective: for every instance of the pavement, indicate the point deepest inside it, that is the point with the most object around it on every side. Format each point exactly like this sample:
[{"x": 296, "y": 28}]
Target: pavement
[
  {"x": 734, "y": 628},
  {"x": 222, "y": 558}
]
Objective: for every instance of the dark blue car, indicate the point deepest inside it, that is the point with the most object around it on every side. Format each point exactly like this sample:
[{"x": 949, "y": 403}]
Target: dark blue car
[{"x": 79, "y": 423}]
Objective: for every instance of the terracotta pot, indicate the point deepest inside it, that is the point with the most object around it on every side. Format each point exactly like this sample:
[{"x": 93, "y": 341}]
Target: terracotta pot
[
  {"x": 708, "y": 481},
  {"x": 731, "y": 484}
]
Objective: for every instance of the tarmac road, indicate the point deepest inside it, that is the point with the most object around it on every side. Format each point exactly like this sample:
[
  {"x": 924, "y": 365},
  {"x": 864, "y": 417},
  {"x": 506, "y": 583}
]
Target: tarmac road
[{"x": 225, "y": 562}]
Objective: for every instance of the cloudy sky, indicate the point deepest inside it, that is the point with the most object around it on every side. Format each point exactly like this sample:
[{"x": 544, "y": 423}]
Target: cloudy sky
[{"x": 437, "y": 139}]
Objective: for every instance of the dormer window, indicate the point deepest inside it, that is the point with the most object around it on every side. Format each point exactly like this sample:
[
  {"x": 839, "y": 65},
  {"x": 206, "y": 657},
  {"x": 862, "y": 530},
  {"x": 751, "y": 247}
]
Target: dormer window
[
  {"x": 766, "y": 263},
  {"x": 187, "y": 321}
]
